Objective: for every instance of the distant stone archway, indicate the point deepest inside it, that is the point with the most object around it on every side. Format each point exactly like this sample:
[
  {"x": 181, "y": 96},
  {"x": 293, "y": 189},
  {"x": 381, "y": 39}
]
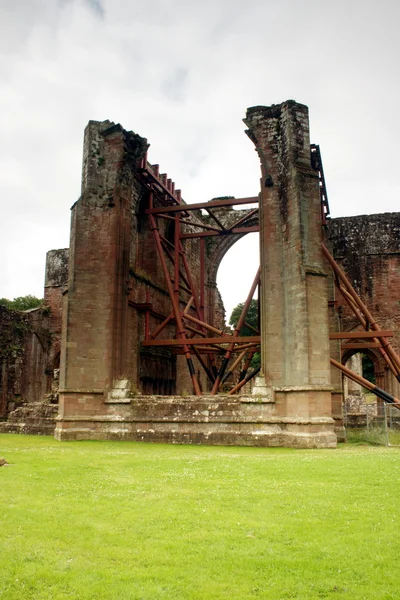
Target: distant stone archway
[
  {"x": 218, "y": 247},
  {"x": 381, "y": 371}
]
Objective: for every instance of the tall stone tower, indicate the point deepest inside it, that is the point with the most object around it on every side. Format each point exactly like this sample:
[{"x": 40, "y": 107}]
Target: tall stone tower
[{"x": 294, "y": 296}]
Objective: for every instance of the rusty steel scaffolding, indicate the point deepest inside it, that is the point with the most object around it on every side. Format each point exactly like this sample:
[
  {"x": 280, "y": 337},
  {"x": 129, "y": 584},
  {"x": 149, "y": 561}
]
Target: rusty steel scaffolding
[
  {"x": 372, "y": 335},
  {"x": 194, "y": 336}
]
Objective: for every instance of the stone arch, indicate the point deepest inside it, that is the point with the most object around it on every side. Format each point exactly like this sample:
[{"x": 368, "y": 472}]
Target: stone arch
[
  {"x": 381, "y": 370},
  {"x": 217, "y": 248},
  {"x": 372, "y": 353}
]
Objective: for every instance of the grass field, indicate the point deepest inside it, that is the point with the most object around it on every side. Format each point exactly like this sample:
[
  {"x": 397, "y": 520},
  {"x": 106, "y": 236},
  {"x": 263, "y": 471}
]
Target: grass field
[{"x": 121, "y": 520}]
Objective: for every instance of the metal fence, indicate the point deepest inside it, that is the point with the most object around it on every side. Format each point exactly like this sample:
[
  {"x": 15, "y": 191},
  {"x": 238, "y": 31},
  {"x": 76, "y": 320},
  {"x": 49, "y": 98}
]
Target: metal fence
[
  {"x": 392, "y": 425},
  {"x": 380, "y": 429}
]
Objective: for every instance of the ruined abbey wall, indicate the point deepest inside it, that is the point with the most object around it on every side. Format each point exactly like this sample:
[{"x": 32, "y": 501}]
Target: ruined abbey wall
[
  {"x": 104, "y": 293},
  {"x": 31, "y": 341},
  {"x": 116, "y": 284},
  {"x": 25, "y": 354},
  {"x": 367, "y": 247}
]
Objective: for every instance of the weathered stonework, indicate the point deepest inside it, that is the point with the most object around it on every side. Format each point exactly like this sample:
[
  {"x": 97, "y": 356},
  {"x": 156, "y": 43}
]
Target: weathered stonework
[
  {"x": 30, "y": 354},
  {"x": 25, "y": 357},
  {"x": 368, "y": 249},
  {"x": 36, "y": 418},
  {"x": 294, "y": 300},
  {"x": 13, "y": 328},
  {"x": 100, "y": 291},
  {"x": 220, "y": 420}
]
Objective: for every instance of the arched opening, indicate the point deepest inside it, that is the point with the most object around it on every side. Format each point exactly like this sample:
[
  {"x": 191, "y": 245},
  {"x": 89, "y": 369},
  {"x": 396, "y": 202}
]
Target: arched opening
[
  {"x": 237, "y": 270},
  {"x": 235, "y": 274},
  {"x": 191, "y": 301},
  {"x": 358, "y": 401},
  {"x": 368, "y": 369}
]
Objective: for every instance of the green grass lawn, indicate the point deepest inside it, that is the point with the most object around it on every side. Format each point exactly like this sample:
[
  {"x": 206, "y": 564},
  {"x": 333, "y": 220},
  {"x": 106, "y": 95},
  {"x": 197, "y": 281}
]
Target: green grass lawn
[{"x": 121, "y": 520}]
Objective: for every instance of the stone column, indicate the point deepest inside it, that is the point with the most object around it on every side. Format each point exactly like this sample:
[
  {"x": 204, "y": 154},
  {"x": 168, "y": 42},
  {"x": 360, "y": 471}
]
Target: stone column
[
  {"x": 94, "y": 337},
  {"x": 294, "y": 291},
  {"x": 354, "y": 364}
]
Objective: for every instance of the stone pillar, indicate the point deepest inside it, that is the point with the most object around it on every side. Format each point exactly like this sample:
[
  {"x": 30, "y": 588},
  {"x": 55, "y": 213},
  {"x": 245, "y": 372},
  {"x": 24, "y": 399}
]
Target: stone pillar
[
  {"x": 294, "y": 291},
  {"x": 56, "y": 281},
  {"x": 94, "y": 337},
  {"x": 354, "y": 364}
]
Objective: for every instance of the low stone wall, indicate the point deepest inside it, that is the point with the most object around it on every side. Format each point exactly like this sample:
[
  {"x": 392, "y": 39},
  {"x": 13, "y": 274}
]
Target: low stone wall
[
  {"x": 222, "y": 420},
  {"x": 356, "y": 405},
  {"x": 35, "y": 418}
]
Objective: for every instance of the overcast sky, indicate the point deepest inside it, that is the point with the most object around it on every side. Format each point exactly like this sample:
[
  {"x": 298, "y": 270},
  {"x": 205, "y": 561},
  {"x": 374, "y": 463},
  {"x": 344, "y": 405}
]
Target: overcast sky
[{"x": 182, "y": 73}]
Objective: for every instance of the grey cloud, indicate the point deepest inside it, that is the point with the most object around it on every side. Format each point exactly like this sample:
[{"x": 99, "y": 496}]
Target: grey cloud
[
  {"x": 97, "y": 7},
  {"x": 174, "y": 86},
  {"x": 182, "y": 74}
]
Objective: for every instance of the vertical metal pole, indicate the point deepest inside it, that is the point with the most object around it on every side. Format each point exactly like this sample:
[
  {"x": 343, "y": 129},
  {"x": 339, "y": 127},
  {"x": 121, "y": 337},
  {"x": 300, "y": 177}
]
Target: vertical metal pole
[
  {"x": 177, "y": 223},
  {"x": 202, "y": 266},
  {"x": 190, "y": 280},
  {"x": 386, "y": 425},
  {"x": 181, "y": 329},
  {"x": 213, "y": 366}
]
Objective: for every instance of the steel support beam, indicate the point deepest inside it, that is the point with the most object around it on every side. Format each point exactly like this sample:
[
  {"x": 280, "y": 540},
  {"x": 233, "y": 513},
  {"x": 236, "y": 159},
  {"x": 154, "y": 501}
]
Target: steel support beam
[{"x": 202, "y": 205}]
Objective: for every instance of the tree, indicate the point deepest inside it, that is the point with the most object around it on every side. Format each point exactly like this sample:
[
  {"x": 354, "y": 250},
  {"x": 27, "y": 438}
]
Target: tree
[
  {"x": 21, "y": 303},
  {"x": 252, "y": 320},
  {"x": 251, "y": 317},
  {"x": 368, "y": 369}
]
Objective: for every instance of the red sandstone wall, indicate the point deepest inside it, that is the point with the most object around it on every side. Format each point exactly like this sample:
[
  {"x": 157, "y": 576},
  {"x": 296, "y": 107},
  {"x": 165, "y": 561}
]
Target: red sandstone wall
[
  {"x": 367, "y": 247},
  {"x": 114, "y": 271},
  {"x": 26, "y": 370}
]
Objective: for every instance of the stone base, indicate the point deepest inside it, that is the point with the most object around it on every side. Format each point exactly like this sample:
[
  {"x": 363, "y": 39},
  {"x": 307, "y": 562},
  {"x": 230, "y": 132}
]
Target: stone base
[
  {"x": 121, "y": 391},
  {"x": 37, "y": 418},
  {"x": 221, "y": 420},
  {"x": 265, "y": 437},
  {"x": 340, "y": 432}
]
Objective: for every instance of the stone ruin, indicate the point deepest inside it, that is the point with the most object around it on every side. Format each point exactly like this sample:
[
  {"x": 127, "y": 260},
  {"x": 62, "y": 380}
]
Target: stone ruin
[{"x": 85, "y": 365}]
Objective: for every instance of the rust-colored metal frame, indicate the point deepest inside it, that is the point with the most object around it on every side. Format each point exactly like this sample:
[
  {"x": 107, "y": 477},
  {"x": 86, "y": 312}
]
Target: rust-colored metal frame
[
  {"x": 371, "y": 331},
  {"x": 193, "y": 335}
]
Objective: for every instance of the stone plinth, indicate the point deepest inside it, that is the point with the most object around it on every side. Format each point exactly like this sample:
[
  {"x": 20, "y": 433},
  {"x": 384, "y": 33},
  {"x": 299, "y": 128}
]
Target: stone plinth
[{"x": 213, "y": 420}]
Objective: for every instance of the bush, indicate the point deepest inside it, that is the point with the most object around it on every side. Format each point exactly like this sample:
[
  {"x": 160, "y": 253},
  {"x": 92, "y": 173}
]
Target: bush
[{"x": 21, "y": 303}]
